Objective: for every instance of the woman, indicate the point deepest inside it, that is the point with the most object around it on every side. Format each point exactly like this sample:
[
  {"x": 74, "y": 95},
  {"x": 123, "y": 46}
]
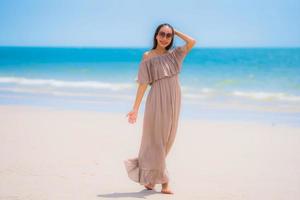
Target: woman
[{"x": 159, "y": 68}]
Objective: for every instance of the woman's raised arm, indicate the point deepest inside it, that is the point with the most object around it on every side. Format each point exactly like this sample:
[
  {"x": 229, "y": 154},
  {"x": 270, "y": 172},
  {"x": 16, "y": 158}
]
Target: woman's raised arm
[{"x": 190, "y": 42}]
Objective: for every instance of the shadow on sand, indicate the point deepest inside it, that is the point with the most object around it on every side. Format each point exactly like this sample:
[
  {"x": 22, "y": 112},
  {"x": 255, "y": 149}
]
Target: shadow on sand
[{"x": 141, "y": 194}]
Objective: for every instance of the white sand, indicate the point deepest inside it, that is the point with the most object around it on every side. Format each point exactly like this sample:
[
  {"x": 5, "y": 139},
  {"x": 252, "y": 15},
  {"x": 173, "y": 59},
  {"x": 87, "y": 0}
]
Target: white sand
[{"x": 70, "y": 155}]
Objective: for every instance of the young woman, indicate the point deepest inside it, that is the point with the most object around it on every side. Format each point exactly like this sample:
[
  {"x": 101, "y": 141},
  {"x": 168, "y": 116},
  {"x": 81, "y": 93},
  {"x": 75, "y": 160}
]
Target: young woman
[{"x": 159, "y": 68}]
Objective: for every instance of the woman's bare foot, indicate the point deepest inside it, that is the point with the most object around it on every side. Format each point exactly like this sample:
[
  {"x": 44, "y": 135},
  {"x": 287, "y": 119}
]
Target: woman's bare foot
[
  {"x": 149, "y": 186},
  {"x": 165, "y": 189}
]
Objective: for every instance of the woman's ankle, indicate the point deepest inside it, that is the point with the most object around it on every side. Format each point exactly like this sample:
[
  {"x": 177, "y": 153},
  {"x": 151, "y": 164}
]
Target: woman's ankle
[{"x": 165, "y": 184}]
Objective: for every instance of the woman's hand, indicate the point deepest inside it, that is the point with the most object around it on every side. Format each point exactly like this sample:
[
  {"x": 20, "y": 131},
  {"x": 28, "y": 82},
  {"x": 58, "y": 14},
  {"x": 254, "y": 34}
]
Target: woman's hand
[{"x": 132, "y": 116}]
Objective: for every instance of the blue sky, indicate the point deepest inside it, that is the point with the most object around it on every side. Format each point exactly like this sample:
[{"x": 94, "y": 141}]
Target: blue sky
[{"x": 131, "y": 23}]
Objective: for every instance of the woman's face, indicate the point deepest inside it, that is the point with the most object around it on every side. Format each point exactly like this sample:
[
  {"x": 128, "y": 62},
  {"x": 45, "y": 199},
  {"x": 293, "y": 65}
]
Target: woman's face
[{"x": 164, "y": 36}]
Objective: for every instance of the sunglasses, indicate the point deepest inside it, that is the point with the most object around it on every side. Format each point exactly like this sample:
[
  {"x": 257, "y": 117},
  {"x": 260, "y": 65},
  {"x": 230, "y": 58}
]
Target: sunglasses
[{"x": 163, "y": 34}]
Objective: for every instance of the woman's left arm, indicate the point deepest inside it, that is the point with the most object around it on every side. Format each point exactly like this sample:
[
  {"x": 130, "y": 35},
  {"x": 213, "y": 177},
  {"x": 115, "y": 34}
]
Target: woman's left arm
[{"x": 190, "y": 42}]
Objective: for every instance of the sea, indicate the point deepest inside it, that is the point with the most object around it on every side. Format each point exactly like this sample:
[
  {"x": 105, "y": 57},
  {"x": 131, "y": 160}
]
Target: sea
[{"x": 227, "y": 84}]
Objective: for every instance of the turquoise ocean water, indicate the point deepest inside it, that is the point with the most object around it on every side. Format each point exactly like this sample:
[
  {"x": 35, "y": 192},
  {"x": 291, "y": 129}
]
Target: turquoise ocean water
[{"x": 252, "y": 84}]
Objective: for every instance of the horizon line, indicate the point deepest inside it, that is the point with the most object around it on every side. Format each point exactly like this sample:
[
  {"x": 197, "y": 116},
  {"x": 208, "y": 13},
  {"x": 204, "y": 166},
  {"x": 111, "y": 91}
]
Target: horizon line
[{"x": 139, "y": 47}]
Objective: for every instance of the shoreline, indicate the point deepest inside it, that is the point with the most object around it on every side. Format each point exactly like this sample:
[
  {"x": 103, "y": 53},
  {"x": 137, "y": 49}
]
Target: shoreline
[{"x": 212, "y": 114}]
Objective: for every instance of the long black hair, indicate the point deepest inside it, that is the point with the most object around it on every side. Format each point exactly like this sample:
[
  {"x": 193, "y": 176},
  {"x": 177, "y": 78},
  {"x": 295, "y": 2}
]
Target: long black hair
[{"x": 156, "y": 32}]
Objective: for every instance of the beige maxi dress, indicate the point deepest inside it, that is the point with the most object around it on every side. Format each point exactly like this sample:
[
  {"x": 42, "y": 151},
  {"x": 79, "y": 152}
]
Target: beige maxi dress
[{"x": 161, "y": 116}]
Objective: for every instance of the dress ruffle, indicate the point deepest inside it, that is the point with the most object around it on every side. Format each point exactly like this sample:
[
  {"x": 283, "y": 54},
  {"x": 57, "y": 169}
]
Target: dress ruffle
[
  {"x": 145, "y": 176},
  {"x": 162, "y": 66}
]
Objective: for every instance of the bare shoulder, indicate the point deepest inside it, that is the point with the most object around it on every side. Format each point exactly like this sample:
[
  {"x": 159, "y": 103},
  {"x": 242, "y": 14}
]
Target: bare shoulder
[{"x": 148, "y": 54}]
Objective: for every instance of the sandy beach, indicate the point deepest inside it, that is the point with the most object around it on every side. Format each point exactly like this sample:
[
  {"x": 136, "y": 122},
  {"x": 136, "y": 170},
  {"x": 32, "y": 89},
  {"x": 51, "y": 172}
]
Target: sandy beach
[{"x": 77, "y": 155}]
